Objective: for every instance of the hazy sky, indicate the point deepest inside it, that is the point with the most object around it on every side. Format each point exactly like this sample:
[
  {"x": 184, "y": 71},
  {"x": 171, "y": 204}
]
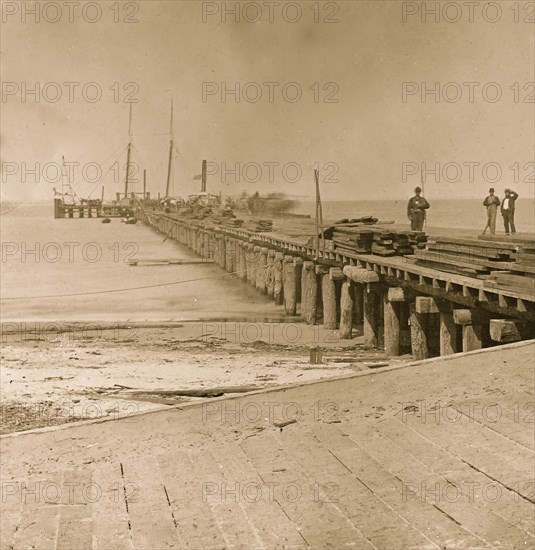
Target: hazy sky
[{"x": 365, "y": 137}]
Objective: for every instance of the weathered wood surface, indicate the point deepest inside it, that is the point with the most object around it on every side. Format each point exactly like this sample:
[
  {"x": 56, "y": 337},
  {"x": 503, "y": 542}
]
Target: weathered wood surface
[
  {"x": 346, "y": 311},
  {"x": 392, "y": 329},
  {"x": 419, "y": 336}
]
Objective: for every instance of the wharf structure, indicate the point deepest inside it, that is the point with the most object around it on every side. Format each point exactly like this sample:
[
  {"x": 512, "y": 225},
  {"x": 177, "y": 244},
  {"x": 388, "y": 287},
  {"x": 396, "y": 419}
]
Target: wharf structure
[{"x": 403, "y": 307}]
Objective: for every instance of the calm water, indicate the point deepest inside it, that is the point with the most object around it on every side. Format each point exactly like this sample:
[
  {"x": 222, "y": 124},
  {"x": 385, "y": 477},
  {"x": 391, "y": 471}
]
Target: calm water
[
  {"x": 67, "y": 261},
  {"x": 80, "y": 256}
]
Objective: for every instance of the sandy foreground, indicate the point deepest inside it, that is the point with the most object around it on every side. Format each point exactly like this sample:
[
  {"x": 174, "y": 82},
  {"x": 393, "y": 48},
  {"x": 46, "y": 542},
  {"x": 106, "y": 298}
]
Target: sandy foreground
[{"x": 66, "y": 372}]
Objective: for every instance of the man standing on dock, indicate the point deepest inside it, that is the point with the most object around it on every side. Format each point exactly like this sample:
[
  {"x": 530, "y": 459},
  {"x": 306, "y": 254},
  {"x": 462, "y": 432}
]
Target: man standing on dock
[
  {"x": 491, "y": 202},
  {"x": 416, "y": 210},
  {"x": 508, "y": 211}
]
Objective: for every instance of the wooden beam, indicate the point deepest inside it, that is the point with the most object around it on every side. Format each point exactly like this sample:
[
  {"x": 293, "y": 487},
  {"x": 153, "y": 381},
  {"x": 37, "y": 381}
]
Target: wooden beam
[
  {"x": 396, "y": 294},
  {"x": 506, "y": 330},
  {"x": 470, "y": 317},
  {"x": 360, "y": 275},
  {"x": 425, "y": 304},
  {"x": 336, "y": 274},
  {"x": 321, "y": 269}
]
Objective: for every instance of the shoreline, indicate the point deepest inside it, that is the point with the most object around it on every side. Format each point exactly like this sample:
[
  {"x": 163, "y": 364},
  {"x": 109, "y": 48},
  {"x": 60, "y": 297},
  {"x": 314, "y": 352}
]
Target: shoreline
[{"x": 69, "y": 377}]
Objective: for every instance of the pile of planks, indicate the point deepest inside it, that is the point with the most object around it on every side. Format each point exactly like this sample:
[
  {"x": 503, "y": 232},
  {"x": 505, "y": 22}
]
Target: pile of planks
[
  {"x": 507, "y": 265},
  {"x": 367, "y": 220},
  {"x": 353, "y": 239},
  {"x": 232, "y": 222},
  {"x": 259, "y": 225},
  {"x": 380, "y": 241},
  {"x": 507, "y": 280}
]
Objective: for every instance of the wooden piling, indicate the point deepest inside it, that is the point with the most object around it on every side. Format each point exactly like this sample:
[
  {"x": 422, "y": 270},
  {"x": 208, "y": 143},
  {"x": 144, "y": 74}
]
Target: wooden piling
[
  {"x": 392, "y": 329},
  {"x": 473, "y": 327},
  {"x": 371, "y": 316},
  {"x": 346, "y": 311},
  {"x": 290, "y": 285},
  {"x": 261, "y": 279},
  {"x": 242, "y": 261},
  {"x": 328, "y": 295},
  {"x": 251, "y": 265},
  {"x": 309, "y": 291},
  {"x": 278, "y": 295},
  {"x": 270, "y": 273},
  {"x": 229, "y": 254},
  {"x": 419, "y": 345}
]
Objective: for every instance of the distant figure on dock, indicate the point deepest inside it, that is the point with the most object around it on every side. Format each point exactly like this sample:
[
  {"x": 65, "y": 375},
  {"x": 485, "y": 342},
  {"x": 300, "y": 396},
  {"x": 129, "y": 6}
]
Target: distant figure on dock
[
  {"x": 491, "y": 202},
  {"x": 508, "y": 211},
  {"x": 416, "y": 210}
]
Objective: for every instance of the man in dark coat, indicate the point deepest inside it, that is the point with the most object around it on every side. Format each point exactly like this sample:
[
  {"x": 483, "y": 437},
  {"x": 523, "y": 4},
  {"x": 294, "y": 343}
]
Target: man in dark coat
[
  {"x": 416, "y": 210},
  {"x": 508, "y": 211},
  {"x": 491, "y": 202}
]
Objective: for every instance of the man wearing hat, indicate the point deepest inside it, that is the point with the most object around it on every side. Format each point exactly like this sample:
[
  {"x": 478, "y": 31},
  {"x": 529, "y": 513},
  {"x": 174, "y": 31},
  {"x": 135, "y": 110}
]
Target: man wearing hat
[
  {"x": 508, "y": 211},
  {"x": 491, "y": 202},
  {"x": 416, "y": 210}
]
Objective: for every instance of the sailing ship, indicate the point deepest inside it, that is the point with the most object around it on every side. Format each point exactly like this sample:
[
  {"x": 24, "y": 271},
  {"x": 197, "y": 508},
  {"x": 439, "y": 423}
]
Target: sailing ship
[{"x": 67, "y": 203}]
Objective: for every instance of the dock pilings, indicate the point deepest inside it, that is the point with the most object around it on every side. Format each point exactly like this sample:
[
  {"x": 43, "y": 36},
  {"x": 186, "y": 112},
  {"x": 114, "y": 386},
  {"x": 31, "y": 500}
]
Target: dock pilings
[{"x": 382, "y": 306}]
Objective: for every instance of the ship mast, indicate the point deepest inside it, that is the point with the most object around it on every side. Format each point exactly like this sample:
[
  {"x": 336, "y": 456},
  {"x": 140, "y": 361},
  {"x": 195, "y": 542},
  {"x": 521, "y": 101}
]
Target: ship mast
[
  {"x": 170, "y": 153},
  {"x": 128, "y": 153}
]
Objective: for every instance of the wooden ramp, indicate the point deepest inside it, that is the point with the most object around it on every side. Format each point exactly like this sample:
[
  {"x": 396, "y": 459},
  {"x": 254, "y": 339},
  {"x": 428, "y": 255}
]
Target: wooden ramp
[{"x": 432, "y": 456}]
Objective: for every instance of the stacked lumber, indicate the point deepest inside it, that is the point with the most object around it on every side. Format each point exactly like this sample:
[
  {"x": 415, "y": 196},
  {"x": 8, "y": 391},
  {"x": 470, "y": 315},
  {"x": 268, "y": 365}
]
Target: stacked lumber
[
  {"x": 232, "y": 222},
  {"x": 474, "y": 249},
  {"x": 366, "y": 220},
  {"x": 503, "y": 265},
  {"x": 418, "y": 239},
  {"x": 383, "y": 243},
  {"x": 353, "y": 240},
  {"x": 380, "y": 241},
  {"x": 259, "y": 225},
  {"x": 450, "y": 263},
  {"x": 504, "y": 280}
]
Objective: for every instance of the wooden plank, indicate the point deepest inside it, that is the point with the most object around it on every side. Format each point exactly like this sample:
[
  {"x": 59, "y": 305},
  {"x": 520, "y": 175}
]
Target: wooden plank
[
  {"x": 440, "y": 460},
  {"x": 151, "y": 517},
  {"x": 291, "y": 479},
  {"x": 271, "y": 525},
  {"x": 110, "y": 517},
  {"x": 192, "y": 514}
]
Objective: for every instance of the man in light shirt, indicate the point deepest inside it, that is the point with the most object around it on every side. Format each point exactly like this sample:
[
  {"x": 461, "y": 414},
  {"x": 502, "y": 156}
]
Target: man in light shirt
[{"x": 508, "y": 211}]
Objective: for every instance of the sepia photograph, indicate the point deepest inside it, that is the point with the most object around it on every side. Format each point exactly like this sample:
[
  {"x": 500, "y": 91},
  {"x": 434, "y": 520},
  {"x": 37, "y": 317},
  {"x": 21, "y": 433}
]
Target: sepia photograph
[{"x": 267, "y": 275}]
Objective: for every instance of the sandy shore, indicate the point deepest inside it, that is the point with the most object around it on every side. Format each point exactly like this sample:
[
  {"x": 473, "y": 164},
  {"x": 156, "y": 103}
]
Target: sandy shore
[{"x": 65, "y": 372}]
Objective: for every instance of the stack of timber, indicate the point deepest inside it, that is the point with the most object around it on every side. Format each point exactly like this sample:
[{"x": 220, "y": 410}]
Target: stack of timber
[
  {"x": 232, "y": 222},
  {"x": 506, "y": 280},
  {"x": 366, "y": 220},
  {"x": 259, "y": 225},
  {"x": 380, "y": 241},
  {"x": 353, "y": 240},
  {"x": 383, "y": 243},
  {"x": 418, "y": 239},
  {"x": 506, "y": 265}
]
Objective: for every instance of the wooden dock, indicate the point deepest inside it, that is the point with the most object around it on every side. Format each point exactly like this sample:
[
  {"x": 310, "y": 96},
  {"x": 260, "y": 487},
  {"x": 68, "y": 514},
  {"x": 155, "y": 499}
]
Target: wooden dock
[{"x": 403, "y": 306}]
